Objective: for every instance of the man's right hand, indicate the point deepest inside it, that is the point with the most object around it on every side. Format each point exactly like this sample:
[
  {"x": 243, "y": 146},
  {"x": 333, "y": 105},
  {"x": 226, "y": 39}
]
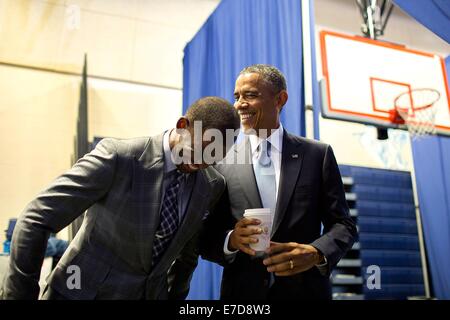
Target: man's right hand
[{"x": 242, "y": 234}]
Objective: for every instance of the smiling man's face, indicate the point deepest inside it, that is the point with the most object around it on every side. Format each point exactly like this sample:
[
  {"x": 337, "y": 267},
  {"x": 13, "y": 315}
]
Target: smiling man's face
[{"x": 257, "y": 104}]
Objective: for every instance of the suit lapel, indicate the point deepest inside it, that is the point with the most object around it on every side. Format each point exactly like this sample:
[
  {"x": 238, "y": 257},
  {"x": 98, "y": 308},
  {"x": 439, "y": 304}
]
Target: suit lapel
[
  {"x": 148, "y": 178},
  {"x": 291, "y": 164},
  {"x": 192, "y": 218},
  {"x": 246, "y": 174}
]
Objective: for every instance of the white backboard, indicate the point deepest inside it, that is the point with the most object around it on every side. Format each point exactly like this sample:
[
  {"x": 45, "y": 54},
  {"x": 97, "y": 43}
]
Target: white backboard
[{"x": 362, "y": 78}]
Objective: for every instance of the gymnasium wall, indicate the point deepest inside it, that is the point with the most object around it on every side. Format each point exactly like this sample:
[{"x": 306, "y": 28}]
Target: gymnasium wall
[{"x": 135, "y": 51}]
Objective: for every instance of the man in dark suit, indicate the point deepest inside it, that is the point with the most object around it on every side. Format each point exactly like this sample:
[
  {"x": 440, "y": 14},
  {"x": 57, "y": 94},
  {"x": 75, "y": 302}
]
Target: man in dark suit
[
  {"x": 299, "y": 180},
  {"x": 146, "y": 199}
]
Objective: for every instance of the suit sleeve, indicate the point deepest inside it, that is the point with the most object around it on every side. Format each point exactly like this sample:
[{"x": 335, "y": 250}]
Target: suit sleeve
[
  {"x": 62, "y": 202},
  {"x": 215, "y": 229},
  {"x": 180, "y": 274},
  {"x": 339, "y": 229}
]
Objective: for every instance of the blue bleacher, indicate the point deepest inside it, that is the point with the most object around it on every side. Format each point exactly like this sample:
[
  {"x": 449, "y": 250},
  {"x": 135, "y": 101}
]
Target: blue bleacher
[
  {"x": 394, "y": 291},
  {"x": 398, "y": 275},
  {"x": 387, "y": 225},
  {"x": 390, "y": 258},
  {"x": 388, "y": 242},
  {"x": 346, "y": 171},
  {"x": 386, "y": 221},
  {"x": 380, "y": 177},
  {"x": 380, "y": 193},
  {"x": 385, "y": 209}
]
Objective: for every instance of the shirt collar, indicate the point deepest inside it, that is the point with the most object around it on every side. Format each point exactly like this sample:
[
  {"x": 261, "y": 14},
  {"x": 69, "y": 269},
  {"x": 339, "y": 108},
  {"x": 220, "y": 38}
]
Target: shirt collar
[
  {"x": 168, "y": 162},
  {"x": 275, "y": 139}
]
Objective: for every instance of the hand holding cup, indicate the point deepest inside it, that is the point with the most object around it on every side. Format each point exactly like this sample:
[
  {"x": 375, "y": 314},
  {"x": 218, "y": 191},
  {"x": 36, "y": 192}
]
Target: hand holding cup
[{"x": 251, "y": 234}]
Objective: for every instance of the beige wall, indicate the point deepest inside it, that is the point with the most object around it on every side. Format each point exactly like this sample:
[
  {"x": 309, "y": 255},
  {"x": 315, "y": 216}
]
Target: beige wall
[
  {"x": 356, "y": 144},
  {"x": 138, "y": 40},
  {"x": 37, "y": 112},
  {"x": 130, "y": 110},
  {"x": 135, "y": 51}
]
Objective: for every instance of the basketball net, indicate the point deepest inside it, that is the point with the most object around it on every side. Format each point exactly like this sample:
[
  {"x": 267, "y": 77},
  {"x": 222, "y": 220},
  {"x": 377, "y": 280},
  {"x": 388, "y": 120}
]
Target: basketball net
[{"x": 417, "y": 110}]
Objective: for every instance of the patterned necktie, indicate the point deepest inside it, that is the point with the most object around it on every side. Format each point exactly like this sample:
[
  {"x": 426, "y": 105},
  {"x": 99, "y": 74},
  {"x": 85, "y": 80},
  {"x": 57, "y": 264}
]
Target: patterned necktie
[
  {"x": 168, "y": 218},
  {"x": 265, "y": 177}
]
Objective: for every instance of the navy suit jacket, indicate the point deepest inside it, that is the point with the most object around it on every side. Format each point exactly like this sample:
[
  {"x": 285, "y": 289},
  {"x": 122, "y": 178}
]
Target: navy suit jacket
[{"x": 310, "y": 193}]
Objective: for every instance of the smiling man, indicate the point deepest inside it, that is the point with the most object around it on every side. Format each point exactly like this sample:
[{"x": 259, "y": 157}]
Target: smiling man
[
  {"x": 146, "y": 199},
  {"x": 299, "y": 180}
]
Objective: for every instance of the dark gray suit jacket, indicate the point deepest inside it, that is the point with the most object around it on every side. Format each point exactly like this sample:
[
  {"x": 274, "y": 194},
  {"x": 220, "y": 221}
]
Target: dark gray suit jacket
[
  {"x": 120, "y": 183},
  {"x": 310, "y": 193}
]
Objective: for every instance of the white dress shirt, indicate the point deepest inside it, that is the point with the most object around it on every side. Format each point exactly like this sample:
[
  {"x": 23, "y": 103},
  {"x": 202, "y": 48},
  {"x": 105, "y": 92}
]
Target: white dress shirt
[{"x": 276, "y": 141}]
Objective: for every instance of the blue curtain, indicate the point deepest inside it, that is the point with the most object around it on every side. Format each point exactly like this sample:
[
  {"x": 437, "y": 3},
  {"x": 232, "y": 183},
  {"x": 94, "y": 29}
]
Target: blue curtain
[
  {"x": 433, "y": 14},
  {"x": 432, "y": 162},
  {"x": 205, "y": 284},
  {"x": 244, "y": 32},
  {"x": 432, "y": 167},
  {"x": 240, "y": 33}
]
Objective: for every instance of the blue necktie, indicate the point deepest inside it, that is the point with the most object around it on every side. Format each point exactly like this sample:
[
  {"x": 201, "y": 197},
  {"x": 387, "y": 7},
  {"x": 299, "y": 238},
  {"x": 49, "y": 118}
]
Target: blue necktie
[
  {"x": 265, "y": 177},
  {"x": 168, "y": 218}
]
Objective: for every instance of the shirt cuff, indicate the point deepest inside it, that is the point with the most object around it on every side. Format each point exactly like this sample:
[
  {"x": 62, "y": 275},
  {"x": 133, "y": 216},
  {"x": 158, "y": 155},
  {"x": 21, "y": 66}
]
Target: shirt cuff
[
  {"x": 228, "y": 253},
  {"x": 323, "y": 267}
]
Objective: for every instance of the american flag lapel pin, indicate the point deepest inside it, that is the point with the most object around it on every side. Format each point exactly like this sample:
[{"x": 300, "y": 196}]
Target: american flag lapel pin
[{"x": 294, "y": 156}]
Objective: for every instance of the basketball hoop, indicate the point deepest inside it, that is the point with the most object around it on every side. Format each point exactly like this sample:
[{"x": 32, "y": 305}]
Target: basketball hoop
[{"x": 416, "y": 108}]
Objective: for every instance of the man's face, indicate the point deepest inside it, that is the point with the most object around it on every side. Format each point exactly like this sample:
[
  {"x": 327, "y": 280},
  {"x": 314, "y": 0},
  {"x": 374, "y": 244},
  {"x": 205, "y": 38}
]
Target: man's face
[
  {"x": 256, "y": 102},
  {"x": 199, "y": 151}
]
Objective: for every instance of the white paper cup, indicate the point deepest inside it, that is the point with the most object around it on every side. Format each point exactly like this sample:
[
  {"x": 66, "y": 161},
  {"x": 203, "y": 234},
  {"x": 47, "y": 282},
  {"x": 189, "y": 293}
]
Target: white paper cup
[{"x": 264, "y": 215}]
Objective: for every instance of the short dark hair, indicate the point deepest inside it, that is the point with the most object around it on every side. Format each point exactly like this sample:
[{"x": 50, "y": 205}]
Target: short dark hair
[
  {"x": 214, "y": 112},
  {"x": 270, "y": 74}
]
